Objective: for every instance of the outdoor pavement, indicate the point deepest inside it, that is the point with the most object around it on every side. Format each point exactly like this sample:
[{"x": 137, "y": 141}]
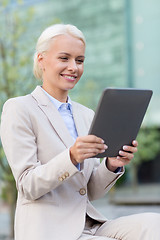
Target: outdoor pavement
[{"x": 120, "y": 202}]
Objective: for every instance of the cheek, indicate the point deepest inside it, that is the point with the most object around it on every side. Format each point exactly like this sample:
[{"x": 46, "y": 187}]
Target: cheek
[
  {"x": 54, "y": 68},
  {"x": 59, "y": 67},
  {"x": 81, "y": 71}
]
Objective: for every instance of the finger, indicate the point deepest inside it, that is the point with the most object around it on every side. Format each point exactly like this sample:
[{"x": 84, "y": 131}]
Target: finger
[
  {"x": 126, "y": 154},
  {"x": 135, "y": 143},
  {"x": 119, "y": 161},
  {"x": 92, "y": 154},
  {"x": 122, "y": 161},
  {"x": 92, "y": 145},
  {"x": 88, "y": 154},
  {"x": 90, "y": 141},
  {"x": 130, "y": 149},
  {"x": 92, "y": 151},
  {"x": 92, "y": 138}
]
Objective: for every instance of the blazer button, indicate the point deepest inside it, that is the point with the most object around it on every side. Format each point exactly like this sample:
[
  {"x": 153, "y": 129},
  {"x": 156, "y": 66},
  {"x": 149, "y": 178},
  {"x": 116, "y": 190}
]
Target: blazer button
[
  {"x": 82, "y": 191},
  {"x": 60, "y": 179},
  {"x": 67, "y": 174},
  {"x": 63, "y": 177}
]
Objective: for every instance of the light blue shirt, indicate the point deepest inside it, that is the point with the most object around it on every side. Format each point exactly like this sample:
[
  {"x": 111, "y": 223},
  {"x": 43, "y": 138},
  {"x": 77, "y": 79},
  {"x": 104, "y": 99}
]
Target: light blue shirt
[{"x": 65, "y": 110}]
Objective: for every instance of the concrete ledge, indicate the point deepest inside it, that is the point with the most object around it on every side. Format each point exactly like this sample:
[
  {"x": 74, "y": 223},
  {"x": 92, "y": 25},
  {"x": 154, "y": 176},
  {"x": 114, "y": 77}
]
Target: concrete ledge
[{"x": 142, "y": 195}]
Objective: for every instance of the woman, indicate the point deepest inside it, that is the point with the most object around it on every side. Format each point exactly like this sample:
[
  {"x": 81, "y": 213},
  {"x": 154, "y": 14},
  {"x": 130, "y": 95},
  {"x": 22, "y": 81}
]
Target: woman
[{"x": 44, "y": 135}]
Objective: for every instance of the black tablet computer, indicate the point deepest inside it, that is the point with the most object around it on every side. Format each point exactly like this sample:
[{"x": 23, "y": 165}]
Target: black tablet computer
[{"x": 118, "y": 117}]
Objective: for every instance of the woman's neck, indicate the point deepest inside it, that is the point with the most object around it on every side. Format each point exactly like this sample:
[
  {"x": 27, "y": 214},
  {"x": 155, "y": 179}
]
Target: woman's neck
[{"x": 61, "y": 96}]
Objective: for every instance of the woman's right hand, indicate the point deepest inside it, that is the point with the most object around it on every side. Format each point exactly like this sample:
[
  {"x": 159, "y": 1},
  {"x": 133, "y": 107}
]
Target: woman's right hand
[{"x": 86, "y": 147}]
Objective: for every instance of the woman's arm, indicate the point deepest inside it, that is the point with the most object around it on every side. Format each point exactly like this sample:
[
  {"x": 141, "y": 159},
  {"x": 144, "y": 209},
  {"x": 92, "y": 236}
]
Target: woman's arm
[
  {"x": 104, "y": 176},
  {"x": 19, "y": 141}
]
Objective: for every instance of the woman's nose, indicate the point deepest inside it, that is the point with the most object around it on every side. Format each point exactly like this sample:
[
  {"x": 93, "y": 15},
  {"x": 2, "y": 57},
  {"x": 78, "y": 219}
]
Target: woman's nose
[{"x": 72, "y": 65}]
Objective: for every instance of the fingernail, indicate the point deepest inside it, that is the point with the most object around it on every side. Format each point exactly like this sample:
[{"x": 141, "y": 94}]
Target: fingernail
[
  {"x": 120, "y": 152},
  {"x": 102, "y": 151},
  {"x": 118, "y": 157},
  {"x": 102, "y": 141},
  {"x": 125, "y": 147},
  {"x": 105, "y": 146}
]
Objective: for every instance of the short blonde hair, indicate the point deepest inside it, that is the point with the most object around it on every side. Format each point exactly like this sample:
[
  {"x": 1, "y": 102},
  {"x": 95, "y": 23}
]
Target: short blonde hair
[{"x": 45, "y": 38}]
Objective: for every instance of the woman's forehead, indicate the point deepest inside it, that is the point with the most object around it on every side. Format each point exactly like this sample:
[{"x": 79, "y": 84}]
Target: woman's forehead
[{"x": 67, "y": 43}]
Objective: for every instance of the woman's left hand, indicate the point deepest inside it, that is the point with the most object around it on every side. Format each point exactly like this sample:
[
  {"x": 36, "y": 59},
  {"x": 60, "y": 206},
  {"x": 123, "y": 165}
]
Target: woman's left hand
[{"x": 124, "y": 158}]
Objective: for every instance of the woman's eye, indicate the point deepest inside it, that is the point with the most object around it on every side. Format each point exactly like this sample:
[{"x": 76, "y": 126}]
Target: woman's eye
[
  {"x": 64, "y": 58},
  {"x": 79, "y": 60}
]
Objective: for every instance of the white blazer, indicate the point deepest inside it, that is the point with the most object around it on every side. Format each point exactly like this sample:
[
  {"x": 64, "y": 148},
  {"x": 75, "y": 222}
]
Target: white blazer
[{"x": 53, "y": 195}]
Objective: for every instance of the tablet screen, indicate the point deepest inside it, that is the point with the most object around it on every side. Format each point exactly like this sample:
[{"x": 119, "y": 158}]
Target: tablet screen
[{"x": 118, "y": 117}]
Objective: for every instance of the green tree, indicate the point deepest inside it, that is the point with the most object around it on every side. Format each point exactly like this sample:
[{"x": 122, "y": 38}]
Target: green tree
[
  {"x": 149, "y": 147},
  {"x": 86, "y": 93}
]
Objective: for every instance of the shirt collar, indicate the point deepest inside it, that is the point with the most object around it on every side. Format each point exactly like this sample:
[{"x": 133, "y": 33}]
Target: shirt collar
[{"x": 57, "y": 103}]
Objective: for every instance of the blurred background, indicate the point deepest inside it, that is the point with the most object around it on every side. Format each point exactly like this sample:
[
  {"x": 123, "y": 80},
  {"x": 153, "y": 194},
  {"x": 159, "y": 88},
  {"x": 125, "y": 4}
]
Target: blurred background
[{"x": 123, "y": 50}]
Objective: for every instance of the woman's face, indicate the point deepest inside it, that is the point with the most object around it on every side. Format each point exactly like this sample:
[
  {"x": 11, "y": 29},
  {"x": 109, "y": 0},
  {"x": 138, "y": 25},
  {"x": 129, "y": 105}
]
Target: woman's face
[{"x": 62, "y": 64}]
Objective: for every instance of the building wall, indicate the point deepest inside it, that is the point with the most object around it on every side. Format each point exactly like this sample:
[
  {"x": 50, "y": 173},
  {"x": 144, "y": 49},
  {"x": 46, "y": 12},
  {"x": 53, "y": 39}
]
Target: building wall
[
  {"x": 123, "y": 47},
  {"x": 146, "y": 51},
  {"x": 102, "y": 23}
]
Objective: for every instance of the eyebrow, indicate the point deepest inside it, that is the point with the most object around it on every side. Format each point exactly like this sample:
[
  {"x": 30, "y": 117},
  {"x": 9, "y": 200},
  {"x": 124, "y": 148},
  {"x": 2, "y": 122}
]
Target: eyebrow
[{"x": 70, "y": 54}]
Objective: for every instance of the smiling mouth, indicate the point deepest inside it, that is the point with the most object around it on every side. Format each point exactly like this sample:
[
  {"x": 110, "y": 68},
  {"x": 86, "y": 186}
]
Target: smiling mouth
[{"x": 69, "y": 77}]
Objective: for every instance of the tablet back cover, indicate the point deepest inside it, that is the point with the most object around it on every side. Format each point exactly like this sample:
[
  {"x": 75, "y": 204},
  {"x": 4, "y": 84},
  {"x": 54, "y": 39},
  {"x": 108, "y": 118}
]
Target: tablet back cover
[{"x": 118, "y": 117}]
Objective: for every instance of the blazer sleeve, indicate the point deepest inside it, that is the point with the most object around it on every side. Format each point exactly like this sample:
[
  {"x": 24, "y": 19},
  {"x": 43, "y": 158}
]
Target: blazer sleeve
[
  {"x": 101, "y": 180},
  {"x": 33, "y": 179}
]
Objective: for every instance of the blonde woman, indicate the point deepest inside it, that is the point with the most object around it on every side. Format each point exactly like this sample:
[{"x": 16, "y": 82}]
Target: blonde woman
[{"x": 44, "y": 135}]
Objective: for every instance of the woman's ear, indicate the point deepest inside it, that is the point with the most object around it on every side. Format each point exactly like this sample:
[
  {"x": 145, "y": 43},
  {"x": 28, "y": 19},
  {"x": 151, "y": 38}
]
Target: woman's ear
[{"x": 40, "y": 60}]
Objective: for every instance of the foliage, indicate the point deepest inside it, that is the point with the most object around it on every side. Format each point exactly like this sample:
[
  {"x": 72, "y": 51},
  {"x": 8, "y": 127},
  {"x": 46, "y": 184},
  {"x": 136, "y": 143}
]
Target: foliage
[
  {"x": 15, "y": 76},
  {"x": 149, "y": 145},
  {"x": 148, "y": 149},
  {"x": 17, "y": 43},
  {"x": 85, "y": 93},
  {"x": 149, "y": 142}
]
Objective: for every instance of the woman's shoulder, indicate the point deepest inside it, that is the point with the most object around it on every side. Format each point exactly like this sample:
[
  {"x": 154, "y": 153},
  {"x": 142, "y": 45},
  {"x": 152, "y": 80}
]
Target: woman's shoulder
[{"x": 20, "y": 102}]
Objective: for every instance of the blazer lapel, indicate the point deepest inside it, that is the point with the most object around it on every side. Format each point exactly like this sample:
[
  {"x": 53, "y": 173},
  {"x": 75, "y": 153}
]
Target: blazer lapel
[
  {"x": 53, "y": 115},
  {"x": 79, "y": 121},
  {"x": 82, "y": 131}
]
